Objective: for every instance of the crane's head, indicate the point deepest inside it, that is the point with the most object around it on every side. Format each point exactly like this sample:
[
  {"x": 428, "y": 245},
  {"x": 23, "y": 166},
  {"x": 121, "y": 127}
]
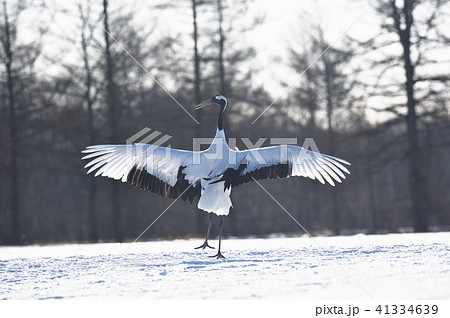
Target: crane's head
[{"x": 215, "y": 100}]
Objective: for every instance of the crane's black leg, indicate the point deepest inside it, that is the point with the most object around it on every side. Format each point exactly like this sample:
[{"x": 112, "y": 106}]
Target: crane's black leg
[
  {"x": 219, "y": 255},
  {"x": 205, "y": 244}
]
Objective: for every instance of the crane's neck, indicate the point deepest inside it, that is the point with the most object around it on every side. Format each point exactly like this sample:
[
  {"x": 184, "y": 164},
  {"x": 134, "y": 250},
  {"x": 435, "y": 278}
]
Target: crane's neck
[{"x": 223, "y": 107}]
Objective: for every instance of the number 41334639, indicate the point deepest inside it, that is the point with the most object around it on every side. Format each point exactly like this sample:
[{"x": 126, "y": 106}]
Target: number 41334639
[{"x": 405, "y": 309}]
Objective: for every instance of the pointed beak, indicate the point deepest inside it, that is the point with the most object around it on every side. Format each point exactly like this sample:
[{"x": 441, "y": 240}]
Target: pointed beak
[{"x": 206, "y": 103}]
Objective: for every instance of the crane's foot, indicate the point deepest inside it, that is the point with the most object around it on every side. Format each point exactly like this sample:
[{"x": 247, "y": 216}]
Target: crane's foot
[
  {"x": 218, "y": 255},
  {"x": 204, "y": 245}
]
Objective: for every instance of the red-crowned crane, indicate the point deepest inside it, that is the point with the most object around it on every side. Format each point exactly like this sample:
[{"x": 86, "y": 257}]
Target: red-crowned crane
[{"x": 208, "y": 175}]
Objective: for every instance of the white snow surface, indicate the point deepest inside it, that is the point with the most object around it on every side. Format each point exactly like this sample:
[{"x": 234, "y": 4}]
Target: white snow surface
[{"x": 392, "y": 266}]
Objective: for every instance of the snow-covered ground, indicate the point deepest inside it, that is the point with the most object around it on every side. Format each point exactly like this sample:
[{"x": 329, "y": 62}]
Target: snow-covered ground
[{"x": 400, "y": 266}]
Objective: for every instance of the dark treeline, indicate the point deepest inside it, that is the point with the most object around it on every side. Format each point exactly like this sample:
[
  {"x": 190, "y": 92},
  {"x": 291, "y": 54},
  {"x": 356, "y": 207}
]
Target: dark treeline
[{"x": 393, "y": 126}]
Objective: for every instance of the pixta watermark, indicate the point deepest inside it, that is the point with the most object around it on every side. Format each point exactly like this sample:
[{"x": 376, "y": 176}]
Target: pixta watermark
[{"x": 152, "y": 148}]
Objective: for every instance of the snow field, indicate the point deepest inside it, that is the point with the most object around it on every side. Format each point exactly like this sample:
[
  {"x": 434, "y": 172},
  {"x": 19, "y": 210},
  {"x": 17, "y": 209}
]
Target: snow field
[{"x": 393, "y": 266}]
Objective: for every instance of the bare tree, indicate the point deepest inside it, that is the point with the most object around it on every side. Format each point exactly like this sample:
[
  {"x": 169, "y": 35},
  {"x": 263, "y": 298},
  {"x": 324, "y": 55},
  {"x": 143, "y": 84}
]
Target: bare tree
[
  {"x": 417, "y": 35},
  {"x": 14, "y": 178},
  {"x": 86, "y": 36},
  {"x": 112, "y": 102},
  {"x": 228, "y": 56},
  {"x": 223, "y": 89},
  {"x": 197, "y": 91},
  {"x": 76, "y": 102},
  {"x": 19, "y": 85},
  {"x": 326, "y": 88}
]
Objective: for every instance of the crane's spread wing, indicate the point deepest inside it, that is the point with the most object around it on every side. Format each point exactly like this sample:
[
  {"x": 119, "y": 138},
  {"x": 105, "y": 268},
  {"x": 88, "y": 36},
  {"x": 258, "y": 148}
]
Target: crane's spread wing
[
  {"x": 283, "y": 162},
  {"x": 156, "y": 169}
]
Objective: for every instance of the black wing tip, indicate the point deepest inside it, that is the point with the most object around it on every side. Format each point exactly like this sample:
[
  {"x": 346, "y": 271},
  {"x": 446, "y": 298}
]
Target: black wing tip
[{"x": 140, "y": 178}]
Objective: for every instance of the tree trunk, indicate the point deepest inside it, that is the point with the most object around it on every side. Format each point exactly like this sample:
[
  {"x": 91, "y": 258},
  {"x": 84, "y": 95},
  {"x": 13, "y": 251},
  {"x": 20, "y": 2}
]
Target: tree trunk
[
  {"x": 373, "y": 204},
  {"x": 14, "y": 178},
  {"x": 417, "y": 196},
  {"x": 111, "y": 99},
  {"x": 223, "y": 83},
  {"x": 197, "y": 79},
  {"x": 198, "y": 99},
  {"x": 224, "y": 91},
  {"x": 334, "y": 191},
  {"x": 92, "y": 188}
]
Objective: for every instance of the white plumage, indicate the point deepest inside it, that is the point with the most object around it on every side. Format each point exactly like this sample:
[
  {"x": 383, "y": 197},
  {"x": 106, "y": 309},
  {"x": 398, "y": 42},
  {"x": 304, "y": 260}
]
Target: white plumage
[{"x": 208, "y": 175}]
